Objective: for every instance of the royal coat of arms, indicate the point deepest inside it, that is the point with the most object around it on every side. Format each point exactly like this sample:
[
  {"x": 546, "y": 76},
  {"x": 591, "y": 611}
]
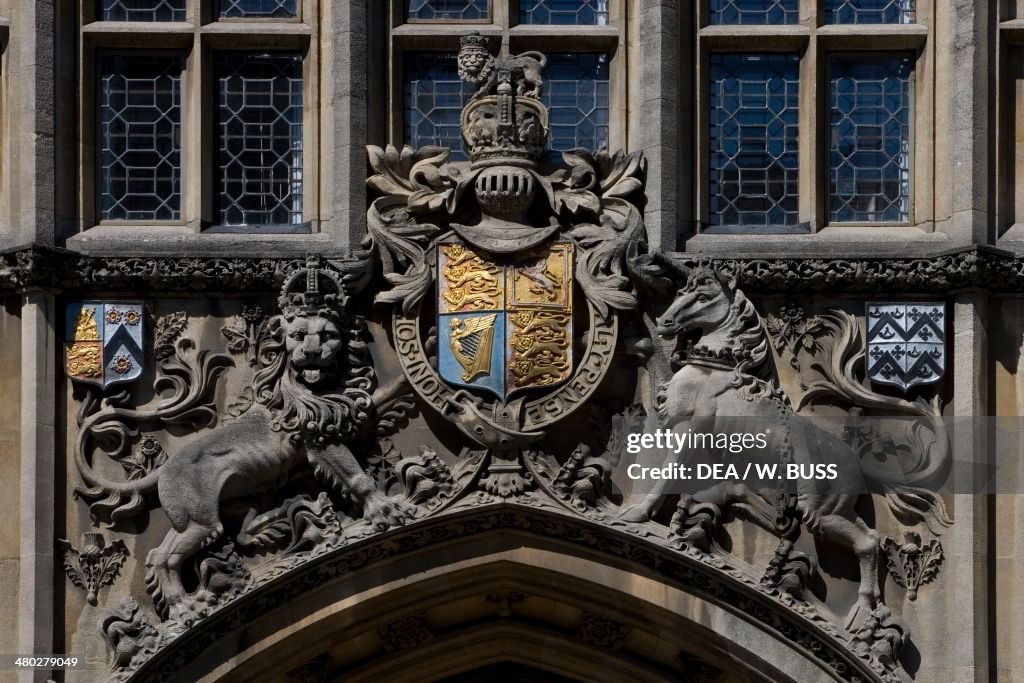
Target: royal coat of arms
[
  {"x": 505, "y": 327},
  {"x": 507, "y": 282},
  {"x": 906, "y": 343},
  {"x": 104, "y": 342}
]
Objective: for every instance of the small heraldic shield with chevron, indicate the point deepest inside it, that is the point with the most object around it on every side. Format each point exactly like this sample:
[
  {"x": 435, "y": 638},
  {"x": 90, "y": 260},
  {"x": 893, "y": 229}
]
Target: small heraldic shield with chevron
[
  {"x": 906, "y": 343},
  {"x": 104, "y": 342}
]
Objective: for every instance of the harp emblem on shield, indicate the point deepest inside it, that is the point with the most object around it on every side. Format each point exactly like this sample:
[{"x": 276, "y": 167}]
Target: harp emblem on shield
[{"x": 471, "y": 343}]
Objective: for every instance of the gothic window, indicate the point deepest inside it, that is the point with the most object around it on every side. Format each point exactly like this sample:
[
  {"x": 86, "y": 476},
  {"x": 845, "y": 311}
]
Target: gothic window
[
  {"x": 753, "y": 11},
  {"x": 434, "y": 96},
  {"x": 576, "y": 94},
  {"x": 869, "y": 11},
  {"x": 448, "y": 10},
  {"x": 204, "y": 125},
  {"x": 252, "y": 9},
  {"x": 142, "y": 10},
  {"x": 140, "y": 137},
  {"x": 869, "y": 154},
  {"x": 753, "y": 139},
  {"x": 580, "y": 76},
  {"x": 580, "y": 12},
  {"x": 823, "y": 127},
  {"x": 259, "y": 147}
]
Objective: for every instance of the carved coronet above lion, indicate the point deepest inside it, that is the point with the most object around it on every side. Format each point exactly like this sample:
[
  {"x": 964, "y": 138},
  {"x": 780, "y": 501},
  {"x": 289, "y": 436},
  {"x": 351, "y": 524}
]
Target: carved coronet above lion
[{"x": 495, "y": 340}]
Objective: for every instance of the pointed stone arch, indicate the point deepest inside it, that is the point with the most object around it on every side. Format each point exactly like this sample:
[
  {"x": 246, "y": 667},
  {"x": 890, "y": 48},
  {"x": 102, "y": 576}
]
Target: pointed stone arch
[{"x": 513, "y": 585}]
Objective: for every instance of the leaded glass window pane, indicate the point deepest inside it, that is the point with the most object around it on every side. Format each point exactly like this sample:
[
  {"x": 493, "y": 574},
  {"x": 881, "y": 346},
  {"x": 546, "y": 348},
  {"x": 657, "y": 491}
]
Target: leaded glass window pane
[
  {"x": 258, "y": 9},
  {"x": 448, "y": 10},
  {"x": 142, "y": 10},
  {"x": 753, "y": 139},
  {"x": 434, "y": 97},
  {"x": 579, "y": 12},
  {"x": 259, "y": 146},
  {"x": 869, "y": 11},
  {"x": 753, "y": 11},
  {"x": 870, "y": 147},
  {"x": 576, "y": 93},
  {"x": 140, "y": 137}
]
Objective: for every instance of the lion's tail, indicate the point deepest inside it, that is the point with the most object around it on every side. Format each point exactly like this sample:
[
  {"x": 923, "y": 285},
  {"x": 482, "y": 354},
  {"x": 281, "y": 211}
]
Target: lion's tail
[
  {"x": 111, "y": 500},
  {"x": 540, "y": 57}
]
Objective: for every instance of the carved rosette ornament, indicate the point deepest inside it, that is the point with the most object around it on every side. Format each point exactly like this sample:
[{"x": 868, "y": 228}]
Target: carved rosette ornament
[{"x": 502, "y": 260}]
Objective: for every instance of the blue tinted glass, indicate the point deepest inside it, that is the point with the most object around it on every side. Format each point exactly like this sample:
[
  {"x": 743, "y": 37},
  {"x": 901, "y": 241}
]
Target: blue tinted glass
[
  {"x": 140, "y": 137},
  {"x": 753, "y": 139},
  {"x": 869, "y": 11},
  {"x": 869, "y": 177},
  {"x": 142, "y": 10},
  {"x": 753, "y": 11},
  {"x": 248, "y": 9},
  {"x": 434, "y": 97},
  {"x": 448, "y": 10},
  {"x": 576, "y": 93},
  {"x": 580, "y": 12},
  {"x": 259, "y": 145}
]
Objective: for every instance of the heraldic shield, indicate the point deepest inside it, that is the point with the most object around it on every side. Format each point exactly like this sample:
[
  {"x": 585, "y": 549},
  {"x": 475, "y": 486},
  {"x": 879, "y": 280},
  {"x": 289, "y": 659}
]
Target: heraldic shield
[
  {"x": 104, "y": 342},
  {"x": 906, "y": 343},
  {"x": 505, "y": 326}
]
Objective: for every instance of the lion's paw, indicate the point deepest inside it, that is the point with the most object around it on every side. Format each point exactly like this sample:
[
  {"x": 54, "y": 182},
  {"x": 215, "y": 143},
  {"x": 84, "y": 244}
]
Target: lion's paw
[{"x": 383, "y": 512}]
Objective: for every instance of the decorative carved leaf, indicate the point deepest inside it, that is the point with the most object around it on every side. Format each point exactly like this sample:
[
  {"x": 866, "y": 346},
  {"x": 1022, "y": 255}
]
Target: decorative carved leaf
[
  {"x": 398, "y": 241},
  {"x": 238, "y": 340},
  {"x": 241, "y": 404},
  {"x": 603, "y": 252},
  {"x": 414, "y": 175},
  {"x": 114, "y": 556},
  {"x": 621, "y": 174},
  {"x": 71, "y": 563},
  {"x": 167, "y": 330}
]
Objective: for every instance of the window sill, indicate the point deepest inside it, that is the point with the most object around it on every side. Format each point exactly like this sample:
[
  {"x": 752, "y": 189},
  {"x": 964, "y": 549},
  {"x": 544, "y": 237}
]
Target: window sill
[
  {"x": 755, "y": 37},
  {"x": 882, "y": 36},
  {"x": 151, "y": 240},
  {"x": 830, "y": 242}
]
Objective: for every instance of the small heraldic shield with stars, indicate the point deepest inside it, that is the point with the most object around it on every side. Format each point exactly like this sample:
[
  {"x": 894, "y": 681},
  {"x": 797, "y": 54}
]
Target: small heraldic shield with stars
[
  {"x": 906, "y": 343},
  {"x": 104, "y": 342}
]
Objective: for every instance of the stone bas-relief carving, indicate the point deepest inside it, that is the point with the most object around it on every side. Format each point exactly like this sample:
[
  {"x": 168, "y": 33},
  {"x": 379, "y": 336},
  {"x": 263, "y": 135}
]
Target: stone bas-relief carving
[
  {"x": 95, "y": 565},
  {"x": 310, "y": 396},
  {"x": 508, "y": 294},
  {"x": 724, "y": 380}
]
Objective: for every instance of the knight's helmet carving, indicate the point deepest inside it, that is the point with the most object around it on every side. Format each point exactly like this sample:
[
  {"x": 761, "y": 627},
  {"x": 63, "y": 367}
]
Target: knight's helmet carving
[{"x": 505, "y": 126}]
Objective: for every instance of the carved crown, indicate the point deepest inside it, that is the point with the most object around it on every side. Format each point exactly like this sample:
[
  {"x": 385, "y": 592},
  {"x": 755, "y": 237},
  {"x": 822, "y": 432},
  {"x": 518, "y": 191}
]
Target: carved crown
[
  {"x": 313, "y": 290},
  {"x": 505, "y": 123}
]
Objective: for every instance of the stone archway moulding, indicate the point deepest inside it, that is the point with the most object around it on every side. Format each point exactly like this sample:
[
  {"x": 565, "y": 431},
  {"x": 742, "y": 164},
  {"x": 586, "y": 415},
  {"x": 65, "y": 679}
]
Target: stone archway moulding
[{"x": 290, "y": 619}]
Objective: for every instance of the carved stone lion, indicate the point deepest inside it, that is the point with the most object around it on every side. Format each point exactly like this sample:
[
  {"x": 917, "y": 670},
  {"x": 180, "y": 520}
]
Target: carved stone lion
[
  {"x": 295, "y": 417},
  {"x": 479, "y": 67}
]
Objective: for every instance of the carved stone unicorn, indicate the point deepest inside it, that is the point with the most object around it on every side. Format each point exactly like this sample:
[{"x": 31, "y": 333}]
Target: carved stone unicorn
[{"x": 724, "y": 385}]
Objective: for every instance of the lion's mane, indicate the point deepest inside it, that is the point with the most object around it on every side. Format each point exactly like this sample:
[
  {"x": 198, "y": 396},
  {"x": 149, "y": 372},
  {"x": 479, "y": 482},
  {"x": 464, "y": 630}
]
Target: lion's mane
[{"x": 311, "y": 416}]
